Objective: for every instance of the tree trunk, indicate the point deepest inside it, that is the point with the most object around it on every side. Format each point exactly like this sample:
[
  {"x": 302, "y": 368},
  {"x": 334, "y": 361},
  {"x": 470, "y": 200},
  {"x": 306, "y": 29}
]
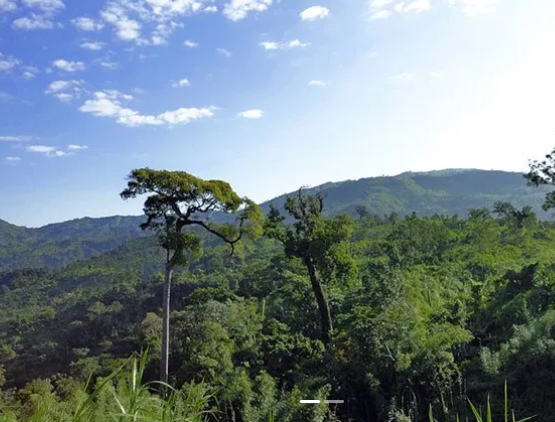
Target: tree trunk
[
  {"x": 323, "y": 306},
  {"x": 165, "y": 355}
]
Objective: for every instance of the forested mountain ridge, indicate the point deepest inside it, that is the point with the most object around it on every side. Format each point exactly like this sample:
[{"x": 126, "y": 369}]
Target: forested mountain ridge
[
  {"x": 56, "y": 245},
  {"x": 443, "y": 192}
]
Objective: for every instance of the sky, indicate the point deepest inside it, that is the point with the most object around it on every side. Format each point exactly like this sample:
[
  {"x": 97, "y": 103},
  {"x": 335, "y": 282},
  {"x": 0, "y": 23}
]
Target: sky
[{"x": 269, "y": 95}]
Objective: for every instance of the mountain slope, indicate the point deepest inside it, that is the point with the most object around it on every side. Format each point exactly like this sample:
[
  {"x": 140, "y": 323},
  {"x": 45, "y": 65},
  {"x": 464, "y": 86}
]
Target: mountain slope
[{"x": 447, "y": 192}]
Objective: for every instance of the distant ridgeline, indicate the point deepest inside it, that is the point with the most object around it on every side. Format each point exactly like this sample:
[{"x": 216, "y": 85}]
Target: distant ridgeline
[{"x": 444, "y": 192}]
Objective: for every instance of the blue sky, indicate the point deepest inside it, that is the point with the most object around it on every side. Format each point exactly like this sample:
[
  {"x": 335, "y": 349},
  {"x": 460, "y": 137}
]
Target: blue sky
[{"x": 266, "y": 94}]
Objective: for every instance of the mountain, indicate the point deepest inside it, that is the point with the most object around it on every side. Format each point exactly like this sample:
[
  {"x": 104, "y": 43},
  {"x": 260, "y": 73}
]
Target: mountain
[
  {"x": 447, "y": 192},
  {"x": 56, "y": 245}
]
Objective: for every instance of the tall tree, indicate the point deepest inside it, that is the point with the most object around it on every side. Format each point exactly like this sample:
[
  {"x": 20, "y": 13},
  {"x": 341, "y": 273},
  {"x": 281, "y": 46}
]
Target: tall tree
[
  {"x": 177, "y": 200},
  {"x": 543, "y": 173},
  {"x": 320, "y": 243}
]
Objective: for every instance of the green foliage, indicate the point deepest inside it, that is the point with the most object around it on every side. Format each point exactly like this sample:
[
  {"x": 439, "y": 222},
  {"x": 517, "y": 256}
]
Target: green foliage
[{"x": 427, "y": 311}]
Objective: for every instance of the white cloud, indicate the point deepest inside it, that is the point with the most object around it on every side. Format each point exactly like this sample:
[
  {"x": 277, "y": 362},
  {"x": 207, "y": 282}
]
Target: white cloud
[
  {"x": 161, "y": 17},
  {"x": 30, "y": 72},
  {"x": 436, "y": 75},
  {"x": 42, "y": 16},
  {"x": 68, "y": 66},
  {"x": 269, "y": 45},
  {"x": 92, "y": 45},
  {"x": 58, "y": 86},
  {"x": 127, "y": 29},
  {"x": 415, "y": 6},
  {"x": 73, "y": 147},
  {"x": 210, "y": 9},
  {"x": 190, "y": 44},
  {"x": 251, "y": 114},
  {"x": 8, "y": 63},
  {"x": 181, "y": 83},
  {"x": 476, "y": 7},
  {"x": 106, "y": 64},
  {"x": 40, "y": 148},
  {"x": 380, "y": 4},
  {"x": 315, "y": 12},
  {"x": 402, "y": 77},
  {"x": 297, "y": 44},
  {"x": 18, "y": 138},
  {"x": 87, "y": 24},
  {"x": 46, "y": 6},
  {"x": 272, "y": 45},
  {"x": 382, "y": 14},
  {"x": 7, "y": 5},
  {"x": 224, "y": 52},
  {"x": 34, "y": 22},
  {"x": 13, "y": 159},
  {"x": 317, "y": 82},
  {"x": 49, "y": 151},
  {"x": 239, "y": 9},
  {"x": 65, "y": 91},
  {"x": 109, "y": 104}
]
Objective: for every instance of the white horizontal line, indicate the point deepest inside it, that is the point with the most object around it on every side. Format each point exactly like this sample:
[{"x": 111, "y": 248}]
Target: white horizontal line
[
  {"x": 310, "y": 401},
  {"x": 334, "y": 401}
]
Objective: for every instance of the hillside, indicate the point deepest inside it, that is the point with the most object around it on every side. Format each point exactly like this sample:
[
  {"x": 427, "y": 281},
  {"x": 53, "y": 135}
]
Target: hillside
[{"x": 445, "y": 192}]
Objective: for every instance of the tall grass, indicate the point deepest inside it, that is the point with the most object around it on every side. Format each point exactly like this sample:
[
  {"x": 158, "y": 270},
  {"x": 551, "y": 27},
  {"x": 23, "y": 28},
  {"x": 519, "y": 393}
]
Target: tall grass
[
  {"x": 125, "y": 397},
  {"x": 479, "y": 416},
  {"x": 130, "y": 399}
]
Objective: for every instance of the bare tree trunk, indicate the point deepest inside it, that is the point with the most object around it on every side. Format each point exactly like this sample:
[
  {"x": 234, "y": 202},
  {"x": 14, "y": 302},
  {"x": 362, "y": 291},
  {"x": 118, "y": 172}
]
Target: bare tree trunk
[
  {"x": 164, "y": 358},
  {"x": 321, "y": 300}
]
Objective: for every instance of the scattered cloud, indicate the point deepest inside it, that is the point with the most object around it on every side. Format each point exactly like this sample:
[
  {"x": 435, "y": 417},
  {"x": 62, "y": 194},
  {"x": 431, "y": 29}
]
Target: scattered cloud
[
  {"x": 190, "y": 44},
  {"x": 18, "y": 138},
  {"x": 402, "y": 77},
  {"x": 7, "y": 63},
  {"x": 87, "y": 24},
  {"x": 210, "y": 9},
  {"x": 68, "y": 66},
  {"x": 46, "y": 150},
  {"x": 382, "y": 14},
  {"x": 73, "y": 147},
  {"x": 383, "y": 9},
  {"x": 181, "y": 83},
  {"x": 239, "y": 9},
  {"x": 41, "y": 17},
  {"x": 92, "y": 45},
  {"x": 251, "y": 114},
  {"x": 416, "y": 6},
  {"x": 131, "y": 18},
  {"x": 13, "y": 159},
  {"x": 7, "y": 5},
  {"x": 297, "y": 44},
  {"x": 29, "y": 72},
  {"x": 315, "y": 12},
  {"x": 380, "y": 4},
  {"x": 272, "y": 45},
  {"x": 65, "y": 91},
  {"x": 224, "y": 52},
  {"x": 317, "y": 82},
  {"x": 476, "y": 7},
  {"x": 106, "y": 64},
  {"x": 34, "y": 22},
  {"x": 269, "y": 45},
  {"x": 109, "y": 104},
  {"x": 46, "y": 6}
]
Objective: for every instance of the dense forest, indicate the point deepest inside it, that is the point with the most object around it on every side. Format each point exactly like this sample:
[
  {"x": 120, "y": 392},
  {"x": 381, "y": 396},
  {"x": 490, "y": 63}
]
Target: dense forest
[{"x": 400, "y": 315}]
